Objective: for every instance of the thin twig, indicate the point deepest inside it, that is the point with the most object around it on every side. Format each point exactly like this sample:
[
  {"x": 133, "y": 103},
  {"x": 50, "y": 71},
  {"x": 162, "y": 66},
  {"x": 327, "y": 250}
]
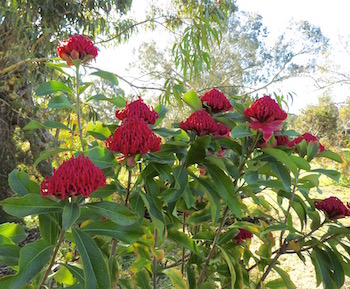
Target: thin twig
[
  {"x": 77, "y": 80},
  {"x": 154, "y": 267},
  {"x": 23, "y": 62}
]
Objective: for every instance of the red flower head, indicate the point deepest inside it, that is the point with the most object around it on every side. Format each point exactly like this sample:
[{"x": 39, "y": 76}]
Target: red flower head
[
  {"x": 309, "y": 138},
  {"x": 138, "y": 109},
  {"x": 133, "y": 137},
  {"x": 242, "y": 236},
  {"x": 216, "y": 100},
  {"x": 282, "y": 140},
  {"x": 333, "y": 208},
  {"x": 265, "y": 115},
  {"x": 76, "y": 47},
  {"x": 201, "y": 122},
  {"x": 222, "y": 130},
  {"x": 77, "y": 176}
]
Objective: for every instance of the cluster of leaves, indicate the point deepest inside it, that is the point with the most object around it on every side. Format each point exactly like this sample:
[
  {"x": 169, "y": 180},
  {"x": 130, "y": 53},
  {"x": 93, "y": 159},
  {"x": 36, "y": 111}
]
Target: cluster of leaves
[{"x": 186, "y": 204}]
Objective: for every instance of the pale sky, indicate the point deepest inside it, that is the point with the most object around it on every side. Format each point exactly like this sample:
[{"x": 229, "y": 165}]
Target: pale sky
[{"x": 331, "y": 16}]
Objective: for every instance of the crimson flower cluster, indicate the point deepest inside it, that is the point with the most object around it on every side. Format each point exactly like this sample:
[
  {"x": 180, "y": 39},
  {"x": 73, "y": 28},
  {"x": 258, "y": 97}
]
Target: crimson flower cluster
[
  {"x": 242, "y": 236},
  {"x": 75, "y": 48},
  {"x": 333, "y": 208},
  {"x": 137, "y": 109},
  {"x": 279, "y": 140},
  {"x": 266, "y": 116},
  {"x": 202, "y": 123},
  {"x": 77, "y": 176},
  {"x": 134, "y": 136},
  {"x": 308, "y": 137},
  {"x": 216, "y": 100}
]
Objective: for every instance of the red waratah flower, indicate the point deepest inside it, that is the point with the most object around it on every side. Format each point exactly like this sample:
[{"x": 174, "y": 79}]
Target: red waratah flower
[
  {"x": 282, "y": 140},
  {"x": 242, "y": 236},
  {"x": 76, "y": 47},
  {"x": 133, "y": 137},
  {"x": 222, "y": 130},
  {"x": 265, "y": 115},
  {"x": 333, "y": 208},
  {"x": 201, "y": 122},
  {"x": 138, "y": 109},
  {"x": 309, "y": 138},
  {"x": 216, "y": 100},
  {"x": 77, "y": 176}
]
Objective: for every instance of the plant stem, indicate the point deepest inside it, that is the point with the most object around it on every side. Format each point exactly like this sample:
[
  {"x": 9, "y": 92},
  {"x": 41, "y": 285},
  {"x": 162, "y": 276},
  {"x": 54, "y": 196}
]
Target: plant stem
[
  {"x": 77, "y": 80},
  {"x": 47, "y": 272},
  {"x": 211, "y": 253},
  {"x": 128, "y": 188},
  {"x": 154, "y": 266},
  {"x": 269, "y": 268},
  {"x": 183, "y": 248}
]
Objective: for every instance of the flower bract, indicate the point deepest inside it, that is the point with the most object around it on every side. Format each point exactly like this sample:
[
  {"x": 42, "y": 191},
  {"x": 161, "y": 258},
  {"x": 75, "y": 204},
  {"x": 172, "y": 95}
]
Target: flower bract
[
  {"x": 77, "y": 176},
  {"x": 308, "y": 137}
]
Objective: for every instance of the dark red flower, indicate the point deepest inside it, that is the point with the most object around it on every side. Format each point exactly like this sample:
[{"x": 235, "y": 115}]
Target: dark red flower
[
  {"x": 201, "y": 122},
  {"x": 242, "y": 236},
  {"x": 309, "y": 138},
  {"x": 265, "y": 115},
  {"x": 138, "y": 109},
  {"x": 222, "y": 130},
  {"x": 216, "y": 100},
  {"x": 133, "y": 137},
  {"x": 77, "y": 176},
  {"x": 333, "y": 208},
  {"x": 75, "y": 48},
  {"x": 282, "y": 140}
]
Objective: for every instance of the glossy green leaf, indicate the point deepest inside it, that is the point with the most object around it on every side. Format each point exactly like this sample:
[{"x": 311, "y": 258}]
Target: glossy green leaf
[
  {"x": 330, "y": 155},
  {"x": 104, "y": 191},
  {"x": 115, "y": 212},
  {"x": 96, "y": 273},
  {"x": 276, "y": 284},
  {"x": 21, "y": 184},
  {"x": 52, "y": 87},
  {"x": 126, "y": 234},
  {"x": 334, "y": 175},
  {"x": 45, "y": 125},
  {"x": 192, "y": 99},
  {"x": 77, "y": 272},
  {"x": 64, "y": 276},
  {"x": 183, "y": 239},
  {"x": 9, "y": 254},
  {"x": 286, "y": 279},
  {"x": 241, "y": 130},
  {"x": 98, "y": 130},
  {"x": 60, "y": 102},
  {"x": 49, "y": 226},
  {"x": 46, "y": 154},
  {"x": 109, "y": 76},
  {"x": 283, "y": 158},
  {"x": 118, "y": 101},
  {"x": 181, "y": 181},
  {"x": 102, "y": 157},
  {"x": 71, "y": 213},
  {"x": 300, "y": 162},
  {"x": 282, "y": 173},
  {"x": 13, "y": 231},
  {"x": 200, "y": 216},
  {"x": 197, "y": 151},
  {"x": 230, "y": 265},
  {"x": 30, "y": 204},
  {"x": 33, "y": 258},
  {"x": 142, "y": 279},
  {"x": 176, "y": 278}
]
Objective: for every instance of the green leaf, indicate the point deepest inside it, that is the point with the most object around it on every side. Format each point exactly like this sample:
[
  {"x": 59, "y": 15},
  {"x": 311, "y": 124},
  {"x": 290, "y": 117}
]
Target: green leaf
[
  {"x": 301, "y": 162},
  {"x": 45, "y": 125},
  {"x": 197, "y": 151},
  {"x": 77, "y": 272},
  {"x": 276, "y": 284},
  {"x": 282, "y": 173},
  {"x": 102, "y": 157},
  {"x": 49, "y": 226},
  {"x": 334, "y": 175},
  {"x": 53, "y": 87},
  {"x": 192, "y": 99},
  {"x": 183, "y": 239},
  {"x": 126, "y": 234},
  {"x": 118, "y": 101},
  {"x": 142, "y": 279},
  {"x": 30, "y": 204},
  {"x": 33, "y": 258},
  {"x": 181, "y": 179},
  {"x": 9, "y": 254},
  {"x": 201, "y": 216},
  {"x": 286, "y": 279},
  {"x": 21, "y": 184},
  {"x": 109, "y": 76},
  {"x": 71, "y": 213},
  {"x": 44, "y": 155},
  {"x": 60, "y": 102},
  {"x": 98, "y": 130},
  {"x": 230, "y": 265},
  {"x": 117, "y": 213},
  {"x": 96, "y": 273},
  {"x": 191, "y": 277},
  {"x": 176, "y": 278},
  {"x": 241, "y": 130},
  {"x": 330, "y": 155},
  {"x": 64, "y": 276},
  {"x": 104, "y": 192},
  {"x": 13, "y": 231},
  {"x": 283, "y": 158}
]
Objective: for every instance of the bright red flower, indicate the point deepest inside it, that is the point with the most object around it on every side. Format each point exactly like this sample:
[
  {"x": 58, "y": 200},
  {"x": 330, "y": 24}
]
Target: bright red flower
[
  {"x": 77, "y": 176},
  {"x": 216, "y": 100},
  {"x": 76, "y": 47},
  {"x": 309, "y": 138},
  {"x": 242, "y": 236},
  {"x": 222, "y": 130},
  {"x": 333, "y": 208},
  {"x": 201, "y": 122},
  {"x": 138, "y": 109},
  {"x": 265, "y": 115},
  {"x": 133, "y": 137}
]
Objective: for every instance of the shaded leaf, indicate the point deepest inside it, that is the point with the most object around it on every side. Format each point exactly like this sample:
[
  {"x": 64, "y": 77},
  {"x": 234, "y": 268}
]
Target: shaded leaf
[
  {"x": 21, "y": 184},
  {"x": 52, "y": 87}
]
